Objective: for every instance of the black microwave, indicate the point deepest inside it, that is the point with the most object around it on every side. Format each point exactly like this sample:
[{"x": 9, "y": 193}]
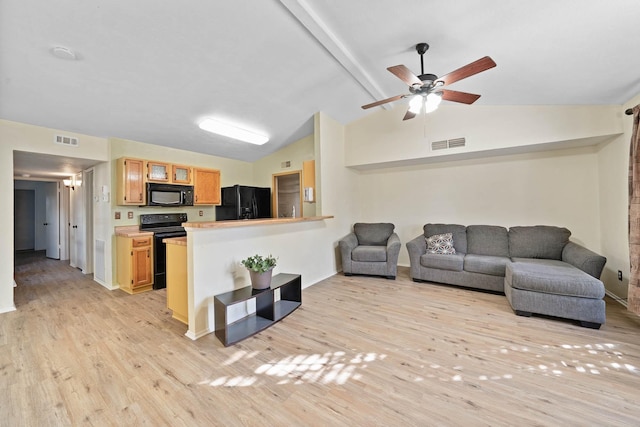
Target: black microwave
[{"x": 169, "y": 195}]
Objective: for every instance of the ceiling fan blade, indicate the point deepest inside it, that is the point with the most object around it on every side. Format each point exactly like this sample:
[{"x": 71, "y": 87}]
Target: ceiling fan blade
[
  {"x": 405, "y": 74},
  {"x": 383, "y": 101},
  {"x": 468, "y": 70},
  {"x": 409, "y": 115},
  {"x": 462, "y": 97}
]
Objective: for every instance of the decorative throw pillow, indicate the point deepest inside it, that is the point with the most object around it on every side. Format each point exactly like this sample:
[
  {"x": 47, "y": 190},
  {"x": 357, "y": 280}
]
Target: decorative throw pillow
[{"x": 441, "y": 244}]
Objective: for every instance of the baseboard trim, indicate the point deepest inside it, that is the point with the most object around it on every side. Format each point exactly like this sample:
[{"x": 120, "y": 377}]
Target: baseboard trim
[
  {"x": 616, "y": 298},
  {"x": 8, "y": 309},
  {"x": 196, "y": 335},
  {"x": 103, "y": 284}
]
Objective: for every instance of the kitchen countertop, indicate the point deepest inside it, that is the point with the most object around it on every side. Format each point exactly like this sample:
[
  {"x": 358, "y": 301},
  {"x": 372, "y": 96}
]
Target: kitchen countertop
[
  {"x": 249, "y": 222},
  {"x": 180, "y": 241},
  {"x": 131, "y": 231}
]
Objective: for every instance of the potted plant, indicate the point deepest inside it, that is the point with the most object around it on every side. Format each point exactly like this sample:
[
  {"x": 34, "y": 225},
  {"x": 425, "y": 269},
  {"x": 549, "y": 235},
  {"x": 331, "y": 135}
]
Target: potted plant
[{"x": 260, "y": 269}]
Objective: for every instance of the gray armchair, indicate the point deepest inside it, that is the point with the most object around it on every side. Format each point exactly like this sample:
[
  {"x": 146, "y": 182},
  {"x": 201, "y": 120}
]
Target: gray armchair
[{"x": 372, "y": 248}]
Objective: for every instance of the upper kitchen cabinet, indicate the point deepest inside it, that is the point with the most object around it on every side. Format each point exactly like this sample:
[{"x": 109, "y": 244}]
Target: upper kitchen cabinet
[
  {"x": 131, "y": 179},
  {"x": 206, "y": 186},
  {"x": 181, "y": 174},
  {"x": 158, "y": 172}
]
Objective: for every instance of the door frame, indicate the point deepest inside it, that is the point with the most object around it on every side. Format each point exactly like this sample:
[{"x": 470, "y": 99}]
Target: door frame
[{"x": 274, "y": 194}]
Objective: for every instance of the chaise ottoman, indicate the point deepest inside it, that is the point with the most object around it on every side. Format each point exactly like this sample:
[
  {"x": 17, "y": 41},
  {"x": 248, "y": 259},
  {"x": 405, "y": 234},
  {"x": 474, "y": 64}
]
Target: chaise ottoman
[{"x": 554, "y": 288}]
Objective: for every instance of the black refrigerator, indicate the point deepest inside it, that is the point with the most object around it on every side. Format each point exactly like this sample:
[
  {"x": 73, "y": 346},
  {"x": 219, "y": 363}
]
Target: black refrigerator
[{"x": 244, "y": 202}]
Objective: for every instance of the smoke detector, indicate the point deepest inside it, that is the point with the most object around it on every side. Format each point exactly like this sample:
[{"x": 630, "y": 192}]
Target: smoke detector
[{"x": 63, "y": 53}]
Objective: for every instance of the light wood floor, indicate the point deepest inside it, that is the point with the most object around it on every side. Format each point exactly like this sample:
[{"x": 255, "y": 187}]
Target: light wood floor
[{"x": 360, "y": 351}]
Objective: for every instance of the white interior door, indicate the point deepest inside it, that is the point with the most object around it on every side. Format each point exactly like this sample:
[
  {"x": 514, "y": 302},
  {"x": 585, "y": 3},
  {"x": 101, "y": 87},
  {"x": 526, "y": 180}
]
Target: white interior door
[{"x": 52, "y": 220}]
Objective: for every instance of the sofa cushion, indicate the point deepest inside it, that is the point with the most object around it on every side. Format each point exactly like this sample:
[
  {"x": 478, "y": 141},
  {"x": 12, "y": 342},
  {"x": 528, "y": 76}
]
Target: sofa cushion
[
  {"x": 459, "y": 233},
  {"x": 539, "y": 241},
  {"x": 489, "y": 240},
  {"x": 552, "y": 277},
  {"x": 373, "y": 234},
  {"x": 452, "y": 262},
  {"x": 440, "y": 244},
  {"x": 369, "y": 253},
  {"x": 485, "y": 264}
]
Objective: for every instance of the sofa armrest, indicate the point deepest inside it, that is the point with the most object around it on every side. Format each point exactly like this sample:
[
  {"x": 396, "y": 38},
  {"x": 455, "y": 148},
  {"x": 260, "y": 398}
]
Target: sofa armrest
[
  {"x": 416, "y": 247},
  {"x": 393, "y": 251},
  {"x": 347, "y": 244},
  {"x": 584, "y": 259}
]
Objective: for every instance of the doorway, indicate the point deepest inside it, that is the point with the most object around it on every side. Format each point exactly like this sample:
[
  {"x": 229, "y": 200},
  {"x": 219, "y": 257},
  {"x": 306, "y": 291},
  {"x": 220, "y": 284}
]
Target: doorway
[
  {"x": 287, "y": 194},
  {"x": 24, "y": 225}
]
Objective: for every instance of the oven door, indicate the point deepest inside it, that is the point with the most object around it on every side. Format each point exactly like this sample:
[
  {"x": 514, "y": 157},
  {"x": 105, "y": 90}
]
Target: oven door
[{"x": 160, "y": 257}]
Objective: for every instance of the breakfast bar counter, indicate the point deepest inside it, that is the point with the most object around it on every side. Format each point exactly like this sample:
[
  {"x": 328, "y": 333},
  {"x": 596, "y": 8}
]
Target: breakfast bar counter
[
  {"x": 250, "y": 222},
  {"x": 215, "y": 250}
]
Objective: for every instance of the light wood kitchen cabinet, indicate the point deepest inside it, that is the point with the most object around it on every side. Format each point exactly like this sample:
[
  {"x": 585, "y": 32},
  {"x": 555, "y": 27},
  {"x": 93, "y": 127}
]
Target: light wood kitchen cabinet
[
  {"x": 309, "y": 180},
  {"x": 181, "y": 174},
  {"x": 135, "y": 269},
  {"x": 158, "y": 172},
  {"x": 206, "y": 186},
  {"x": 130, "y": 186},
  {"x": 177, "y": 278}
]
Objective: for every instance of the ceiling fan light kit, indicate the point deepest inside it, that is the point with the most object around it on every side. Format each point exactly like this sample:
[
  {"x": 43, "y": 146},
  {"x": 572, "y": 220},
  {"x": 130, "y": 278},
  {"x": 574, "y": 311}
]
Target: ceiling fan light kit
[
  {"x": 232, "y": 131},
  {"x": 430, "y": 90}
]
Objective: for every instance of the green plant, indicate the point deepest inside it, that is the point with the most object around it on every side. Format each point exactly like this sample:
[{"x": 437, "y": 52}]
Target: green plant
[{"x": 259, "y": 263}]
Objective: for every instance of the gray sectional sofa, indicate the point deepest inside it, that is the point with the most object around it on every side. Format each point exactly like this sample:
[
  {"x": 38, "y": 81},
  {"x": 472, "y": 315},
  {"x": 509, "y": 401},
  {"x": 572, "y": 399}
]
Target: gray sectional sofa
[{"x": 538, "y": 269}]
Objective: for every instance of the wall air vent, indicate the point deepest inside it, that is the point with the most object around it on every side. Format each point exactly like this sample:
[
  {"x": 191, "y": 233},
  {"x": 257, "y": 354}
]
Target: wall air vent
[
  {"x": 439, "y": 145},
  {"x": 66, "y": 140},
  {"x": 448, "y": 143}
]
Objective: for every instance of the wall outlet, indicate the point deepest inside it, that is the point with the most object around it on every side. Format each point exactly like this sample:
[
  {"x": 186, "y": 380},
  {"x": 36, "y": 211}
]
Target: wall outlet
[
  {"x": 117, "y": 215},
  {"x": 130, "y": 215},
  {"x": 620, "y": 275},
  {"x": 201, "y": 213}
]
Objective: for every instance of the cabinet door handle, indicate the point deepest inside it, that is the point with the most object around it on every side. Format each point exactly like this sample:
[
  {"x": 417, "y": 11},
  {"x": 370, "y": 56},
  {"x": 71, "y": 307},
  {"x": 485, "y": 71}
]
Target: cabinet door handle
[{"x": 147, "y": 253}]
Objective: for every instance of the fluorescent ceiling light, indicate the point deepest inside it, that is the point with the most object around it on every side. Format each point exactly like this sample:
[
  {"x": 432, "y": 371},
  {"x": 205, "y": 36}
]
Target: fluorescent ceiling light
[{"x": 226, "y": 129}]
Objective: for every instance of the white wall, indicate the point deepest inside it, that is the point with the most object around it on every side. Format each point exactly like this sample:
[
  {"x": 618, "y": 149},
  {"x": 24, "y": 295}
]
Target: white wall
[
  {"x": 306, "y": 248},
  {"x": 551, "y": 188},
  {"x": 22, "y": 137},
  {"x": 383, "y": 138},
  {"x": 613, "y": 163},
  {"x": 295, "y": 153},
  {"x": 583, "y": 187}
]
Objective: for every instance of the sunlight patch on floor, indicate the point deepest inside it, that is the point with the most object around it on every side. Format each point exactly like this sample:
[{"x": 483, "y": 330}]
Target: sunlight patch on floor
[{"x": 328, "y": 368}]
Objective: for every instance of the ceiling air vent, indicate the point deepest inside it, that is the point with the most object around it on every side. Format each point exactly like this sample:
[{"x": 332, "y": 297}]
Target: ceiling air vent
[
  {"x": 448, "y": 143},
  {"x": 66, "y": 140}
]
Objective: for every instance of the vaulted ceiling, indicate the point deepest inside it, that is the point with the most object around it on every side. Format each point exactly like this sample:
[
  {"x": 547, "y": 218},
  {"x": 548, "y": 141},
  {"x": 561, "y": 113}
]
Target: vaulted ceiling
[{"x": 149, "y": 71}]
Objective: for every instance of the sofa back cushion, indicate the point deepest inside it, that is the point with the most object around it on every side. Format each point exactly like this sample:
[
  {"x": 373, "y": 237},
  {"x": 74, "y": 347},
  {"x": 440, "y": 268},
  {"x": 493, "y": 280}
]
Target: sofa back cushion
[
  {"x": 459, "y": 233},
  {"x": 539, "y": 241},
  {"x": 373, "y": 234},
  {"x": 491, "y": 240}
]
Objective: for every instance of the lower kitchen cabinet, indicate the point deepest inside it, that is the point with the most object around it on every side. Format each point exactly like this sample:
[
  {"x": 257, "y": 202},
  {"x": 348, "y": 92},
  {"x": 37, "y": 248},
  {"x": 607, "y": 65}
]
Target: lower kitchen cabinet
[
  {"x": 134, "y": 263},
  {"x": 177, "y": 278}
]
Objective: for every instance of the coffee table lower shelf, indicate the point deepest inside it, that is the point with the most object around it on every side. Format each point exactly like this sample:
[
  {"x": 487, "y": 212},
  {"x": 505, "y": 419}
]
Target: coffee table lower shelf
[{"x": 269, "y": 309}]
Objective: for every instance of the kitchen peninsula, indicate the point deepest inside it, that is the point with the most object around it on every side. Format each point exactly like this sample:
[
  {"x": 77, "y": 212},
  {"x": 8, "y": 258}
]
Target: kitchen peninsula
[{"x": 215, "y": 249}]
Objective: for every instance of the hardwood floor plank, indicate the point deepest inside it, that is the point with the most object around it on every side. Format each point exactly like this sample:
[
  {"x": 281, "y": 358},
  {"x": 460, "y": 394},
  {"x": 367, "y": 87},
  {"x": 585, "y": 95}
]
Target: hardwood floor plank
[{"x": 359, "y": 351}]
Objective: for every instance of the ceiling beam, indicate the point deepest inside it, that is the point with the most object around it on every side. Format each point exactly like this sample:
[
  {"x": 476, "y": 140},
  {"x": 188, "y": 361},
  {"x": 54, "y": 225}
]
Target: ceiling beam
[{"x": 301, "y": 10}]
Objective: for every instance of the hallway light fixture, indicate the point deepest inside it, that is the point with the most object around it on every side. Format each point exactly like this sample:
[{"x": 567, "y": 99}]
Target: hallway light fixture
[
  {"x": 232, "y": 131},
  {"x": 67, "y": 182}
]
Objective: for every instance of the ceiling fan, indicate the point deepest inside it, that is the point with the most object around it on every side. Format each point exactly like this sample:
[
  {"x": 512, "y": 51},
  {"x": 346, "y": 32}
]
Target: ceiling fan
[{"x": 429, "y": 90}]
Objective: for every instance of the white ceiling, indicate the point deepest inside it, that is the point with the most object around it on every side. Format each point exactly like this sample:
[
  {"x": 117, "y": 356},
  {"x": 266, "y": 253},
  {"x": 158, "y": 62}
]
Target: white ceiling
[{"x": 149, "y": 71}]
